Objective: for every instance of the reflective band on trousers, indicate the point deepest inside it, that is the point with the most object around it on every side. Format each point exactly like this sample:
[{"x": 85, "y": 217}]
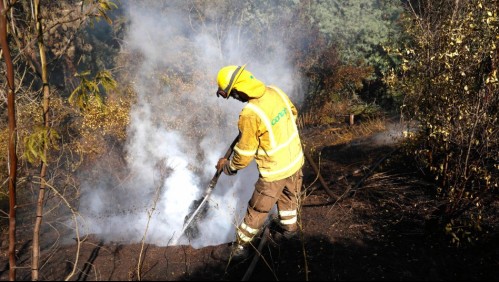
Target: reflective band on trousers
[
  {"x": 243, "y": 237},
  {"x": 288, "y": 221},
  {"x": 248, "y": 229},
  {"x": 287, "y": 213}
]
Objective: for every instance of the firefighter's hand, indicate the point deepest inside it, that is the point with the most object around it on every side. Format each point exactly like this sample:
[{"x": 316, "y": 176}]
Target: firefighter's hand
[{"x": 223, "y": 165}]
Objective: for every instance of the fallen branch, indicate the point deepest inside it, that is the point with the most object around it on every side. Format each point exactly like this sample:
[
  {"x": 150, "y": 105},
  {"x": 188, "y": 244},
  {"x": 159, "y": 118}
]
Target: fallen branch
[
  {"x": 258, "y": 254},
  {"x": 351, "y": 191},
  {"x": 74, "y": 214},
  {"x": 163, "y": 171},
  {"x": 372, "y": 168},
  {"x": 317, "y": 171}
]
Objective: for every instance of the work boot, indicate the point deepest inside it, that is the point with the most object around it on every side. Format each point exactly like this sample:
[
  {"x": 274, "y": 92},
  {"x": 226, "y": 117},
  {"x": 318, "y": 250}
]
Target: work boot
[
  {"x": 290, "y": 235},
  {"x": 279, "y": 234},
  {"x": 239, "y": 252},
  {"x": 233, "y": 252}
]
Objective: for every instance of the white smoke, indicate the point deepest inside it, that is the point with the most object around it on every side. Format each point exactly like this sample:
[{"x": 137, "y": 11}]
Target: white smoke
[{"x": 125, "y": 212}]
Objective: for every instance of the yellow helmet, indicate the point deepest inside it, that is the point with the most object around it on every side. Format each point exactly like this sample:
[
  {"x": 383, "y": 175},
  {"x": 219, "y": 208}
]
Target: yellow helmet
[{"x": 226, "y": 78}]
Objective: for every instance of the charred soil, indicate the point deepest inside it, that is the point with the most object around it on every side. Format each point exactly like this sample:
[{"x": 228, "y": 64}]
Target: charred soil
[{"x": 369, "y": 223}]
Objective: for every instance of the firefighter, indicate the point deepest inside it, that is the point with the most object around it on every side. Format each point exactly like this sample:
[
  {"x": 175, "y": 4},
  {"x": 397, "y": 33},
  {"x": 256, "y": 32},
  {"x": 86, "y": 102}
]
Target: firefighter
[{"x": 268, "y": 134}]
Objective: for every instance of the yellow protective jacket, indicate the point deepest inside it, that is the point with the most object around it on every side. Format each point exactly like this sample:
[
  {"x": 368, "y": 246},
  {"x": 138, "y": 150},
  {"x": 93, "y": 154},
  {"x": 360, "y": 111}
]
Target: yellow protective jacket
[{"x": 269, "y": 134}]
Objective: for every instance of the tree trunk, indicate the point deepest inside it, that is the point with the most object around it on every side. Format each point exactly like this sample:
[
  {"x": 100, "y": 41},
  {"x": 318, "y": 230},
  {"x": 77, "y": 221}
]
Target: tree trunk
[
  {"x": 12, "y": 142},
  {"x": 41, "y": 195}
]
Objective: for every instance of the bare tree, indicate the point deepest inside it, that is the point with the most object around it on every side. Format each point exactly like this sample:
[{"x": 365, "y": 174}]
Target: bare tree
[
  {"x": 12, "y": 141},
  {"x": 55, "y": 22},
  {"x": 46, "y": 96}
]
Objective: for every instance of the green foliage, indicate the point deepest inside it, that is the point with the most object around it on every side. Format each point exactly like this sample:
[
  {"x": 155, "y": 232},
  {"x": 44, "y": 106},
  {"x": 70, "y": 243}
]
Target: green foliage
[
  {"x": 103, "y": 8},
  {"x": 451, "y": 86},
  {"x": 87, "y": 89},
  {"x": 365, "y": 110},
  {"x": 359, "y": 28},
  {"x": 105, "y": 79},
  {"x": 39, "y": 142},
  {"x": 364, "y": 32}
]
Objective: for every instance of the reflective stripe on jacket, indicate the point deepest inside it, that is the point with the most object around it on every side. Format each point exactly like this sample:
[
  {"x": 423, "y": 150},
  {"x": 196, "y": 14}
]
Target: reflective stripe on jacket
[{"x": 269, "y": 135}]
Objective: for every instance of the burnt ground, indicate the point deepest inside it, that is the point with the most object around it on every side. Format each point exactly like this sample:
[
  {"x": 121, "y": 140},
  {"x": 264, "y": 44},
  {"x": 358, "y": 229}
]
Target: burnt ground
[{"x": 371, "y": 223}]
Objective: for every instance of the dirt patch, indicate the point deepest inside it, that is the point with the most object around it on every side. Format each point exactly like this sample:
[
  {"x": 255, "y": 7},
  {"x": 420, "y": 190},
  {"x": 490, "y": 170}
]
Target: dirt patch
[{"x": 373, "y": 229}]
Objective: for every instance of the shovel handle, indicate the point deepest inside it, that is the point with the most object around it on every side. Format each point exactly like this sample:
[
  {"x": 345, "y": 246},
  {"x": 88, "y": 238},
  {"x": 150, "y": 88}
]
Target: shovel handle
[
  {"x": 231, "y": 148},
  {"x": 213, "y": 182},
  {"x": 226, "y": 156}
]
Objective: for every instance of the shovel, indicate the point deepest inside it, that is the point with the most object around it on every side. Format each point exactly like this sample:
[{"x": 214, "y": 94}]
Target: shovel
[{"x": 200, "y": 207}]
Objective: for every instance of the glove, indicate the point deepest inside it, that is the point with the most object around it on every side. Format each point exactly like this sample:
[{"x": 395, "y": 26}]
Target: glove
[{"x": 224, "y": 165}]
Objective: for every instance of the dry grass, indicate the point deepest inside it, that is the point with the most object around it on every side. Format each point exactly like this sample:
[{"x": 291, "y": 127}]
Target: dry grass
[{"x": 341, "y": 133}]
